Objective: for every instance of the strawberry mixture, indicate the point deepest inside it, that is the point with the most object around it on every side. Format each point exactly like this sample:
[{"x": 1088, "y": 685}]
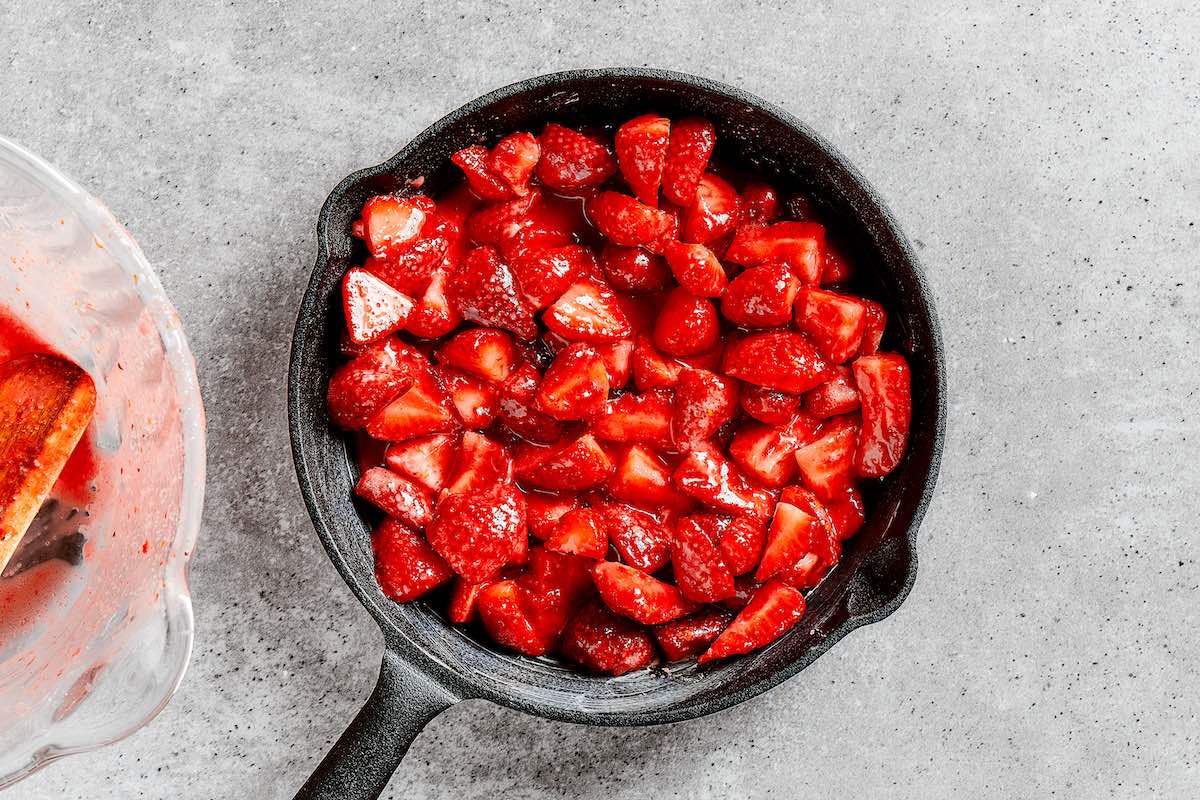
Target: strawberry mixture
[{"x": 613, "y": 403}]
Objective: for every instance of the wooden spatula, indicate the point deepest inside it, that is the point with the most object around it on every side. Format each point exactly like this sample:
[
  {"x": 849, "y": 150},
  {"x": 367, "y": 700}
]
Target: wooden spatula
[{"x": 46, "y": 404}]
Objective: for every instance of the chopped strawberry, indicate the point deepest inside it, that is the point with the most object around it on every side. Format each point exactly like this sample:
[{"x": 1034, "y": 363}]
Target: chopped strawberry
[
  {"x": 373, "y": 308},
  {"x": 838, "y": 395},
  {"x": 474, "y": 161},
  {"x": 545, "y": 510},
  {"x": 643, "y": 479},
  {"x": 690, "y": 636},
  {"x": 634, "y": 269},
  {"x": 423, "y": 409},
  {"x": 696, "y": 268},
  {"x": 777, "y": 360},
  {"x": 486, "y": 353},
  {"x": 427, "y": 460},
  {"x": 360, "y": 388},
  {"x": 847, "y": 514},
  {"x": 709, "y": 360},
  {"x": 618, "y": 362},
  {"x": 634, "y": 594},
  {"x": 671, "y": 233},
  {"x": 704, "y": 401},
  {"x": 834, "y": 322},
  {"x": 790, "y": 538},
  {"x": 637, "y": 418},
  {"x": 391, "y": 224},
  {"x": 639, "y": 537},
  {"x": 825, "y": 543},
  {"x": 554, "y": 587},
  {"x": 464, "y": 600},
  {"x": 687, "y": 325},
  {"x": 827, "y": 464},
  {"x": 481, "y": 463},
  {"x": 603, "y": 642},
  {"x": 626, "y": 220},
  {"x": 713, "y": 211},
  {"x": 513, "y": 159},
  {"x": 571, "y": 161},
  {"x": 641, "y": 145},
  {"x": 499, "y": 222},
  {"x": 710, "y": 478},
  {"x": 837, "y": 268},
  {"x": 434, "y": 316},
  {"x": 805, "y": 573},
  {"x": 576, "y": 384},
  {"x": 883, "y": 385},
  {"x": 579, "y": 532},
  {"x": 700, "y": 570},
  {"x": 651, "y": 369},
  {"x": 691, "y": 144},
  {"x": 475, "y": 400},
  {"x": 744, "y": 587},
  {"x": 760, "y": 203},
  {"x": 769, "y": 405},
  {"x": 874, "y": 322},
  {"x": 507, "y": 621},
  {"x": 588, "y": 312},
  {"x": 798, "y": 245},
  {"x": 396, "y": 496},
  {"x": 411, "y": 271},
  {"x": 406, "y": 567},
  {"x": 544, "y": 274},
  {"x": 740, "y": 538},
  {"x": 774, "y": 610},
  {"x": 574, "y": 464},
  {"x": 761, "y": 297},
  {"x": 484, "y": 290},
  {"x": 765, "y": 452},
  {"x": 476, "y": 531},
  {"x": 516, "y": 409}
]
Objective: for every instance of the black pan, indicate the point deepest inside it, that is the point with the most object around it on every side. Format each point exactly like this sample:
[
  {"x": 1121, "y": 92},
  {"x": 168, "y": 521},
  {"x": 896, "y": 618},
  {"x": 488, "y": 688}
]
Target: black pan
[{"x": 429, "y": 665}]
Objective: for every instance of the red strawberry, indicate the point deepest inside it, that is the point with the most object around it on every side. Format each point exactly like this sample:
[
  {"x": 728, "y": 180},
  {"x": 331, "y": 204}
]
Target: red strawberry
[
  {"x": 579, "y": 532},
  {"x": 713, "y": 211},
  {"x": 765, "y": 452},
  {"x": 434, "y": 316},
  {"x": 744, "y": 587},
  {"x": 498, "y": 223},
  {"x": 696, "y": 268},
  {"x": 836, "y": 268},
  {"x": 406, "y": 567},
  {"x": 760, "y": 203},
  {"x": 791, "y": 537},
  {"x": 875, "y": 320},
  {"x": 360, "y": 388},
  {"x": 483, "y": 180},
  {"x": 643, "y": 479},
  {"x": 634, "y": 269},
  {"x": 544, "y": 274},
  {"x": 883, "y": 385},
  {"x": 576, "y": 465},
  {"x": 481, "y": 463},
  {"x": 397, "y": 496},
  {"x": 411, "y": 271},
  {"x": 639, "y": 537},
  {"x": 464, "y": 600},
  {"x": 391, "y": 224},
  {"x": 513, "y": 159},
  {"x": 486, "y": 353},
  {"x": 827, "y": 464},
  {"x": 634, "y": 594},
  {"x": 741, "y": 540},
  {"x": 570, "y": 160},
  {"x": 838, "y": 395},
  {"x": 576, "y": 384},
  {"x": 475, "y": 400},
  {"x": 545, "y": 510},
  {"x": 637, "y": 418},
  {"x": 516, "y": 409},
  {"x": 641, "y": 145},
  {"x": 774, "y": 610},
  {"x": 588, "y": 312},
  {"x": 484, "y": 290},
  {"x": 777, "y": 360},
  {"x": 710, "y": 478},
  {"x": 618, "y": 361},
  {"x": 428, "y": 460},
  {"x": 768, "y": 405},
  {"x": 422, "y": 410},
  {"x": 508, "y": 622},
  {"x": 700, "y": 571},
  {"x": 834, "y": 322},
  {"x": 847, "y": 515},
  {"x": 671, "y": 233},
  {"x": 603, "y": 642},
  {"x": 689, "y": 636},
  {"x": 373, "y": 308},
  {"x": 651, "y": 369},
  {"x": 704, "y": 401},
  {"x": 761, "y": 297},
  {"x": 825, "y": 544},
  {"x": 625, "y": 220},
  {"x": 688, "y": 151},
  {"x": 554, "y": 587},
  {"x": 687, "y": 325},
  {"x": 476, "y": 531},
  {"x": 528, "y": 242},
  {"x": 708, "y": 360},
  {"x": 798, "y": 245}
]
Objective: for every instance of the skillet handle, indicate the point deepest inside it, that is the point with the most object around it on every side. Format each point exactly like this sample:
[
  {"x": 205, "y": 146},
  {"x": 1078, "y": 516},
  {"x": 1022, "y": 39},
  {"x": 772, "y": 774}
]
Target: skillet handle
[{"x": 362, "y": 761}]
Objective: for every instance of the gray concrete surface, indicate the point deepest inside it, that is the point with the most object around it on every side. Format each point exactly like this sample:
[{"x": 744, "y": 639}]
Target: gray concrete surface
[{"x": 1047, "y": 159}]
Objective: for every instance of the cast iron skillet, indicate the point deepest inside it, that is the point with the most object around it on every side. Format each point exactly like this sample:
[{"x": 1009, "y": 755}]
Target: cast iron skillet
[{"x": 429, "y": 665}]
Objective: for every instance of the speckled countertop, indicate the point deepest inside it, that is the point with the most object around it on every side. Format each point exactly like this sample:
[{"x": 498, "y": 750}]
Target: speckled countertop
[{"x": 1044, "y": 157}]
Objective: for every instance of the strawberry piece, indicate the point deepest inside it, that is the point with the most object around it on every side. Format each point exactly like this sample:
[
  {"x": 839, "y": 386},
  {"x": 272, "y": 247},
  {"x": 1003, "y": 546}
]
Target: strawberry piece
[
  {"x": 643, "y": 479},
  {"x": 827, "y": 464},
  {"x": 484, "y": 290},
  {"x": 641, "y": 145},
  {"x": 575, "y": 465},
  {"x": 883, "y": 386},
  {"x": 798, "y": 245},
  {"x": 825, "y": 544},
  {"x": 712, "y": 213},
  {"x": 391, "y": 224},
  {"x": 477, "y": 531},
  {"x": 498, "y": 223},
  {"x": 545, "y": 510},
  {"x": 704, "y": 401},
  {"x": 576, "y": 384},
  {"x": 482, "y": 463},
  {"x": 700, "y": 571},
  {"x": 834, "y": 322},
  {"x": 464, "y": 600},
  {"x": 421, "y": 410},
  {"x": 544, "y": 274},
  {"x": 637, "y": 418},
  {"x": 791, "y": 537},
  {"x": 513, "y": 159},
  {"x": 627, "y": 221},
  {"x": 765, "y": 452},
  {"x": 508, "y": 622},
  {"x": 710, "y": 478},
  {"x": 639, "y": 537},
  {"x": 618, "y": 361},
  {"x": 411, "y": 271},
  {"x": 636, "y": 595},
  {"x": 516, "y": 409},
  {"x": 396, "y": 496},
  {"x": 474, "y": 161},
  {"x": 837, "y": 268},
  {"x": 838, "y": 395},
  {"x": 774, "y": 610},
  {"x": 553, "y": 588},
  {"x": 427, "y": 460},
  {"x": 847, "y": 515},
  {"x": 601, "y": 641},
  {"x": 761, "y": 297},
  {"x": 526, "y": 243},
  {"x": 874, "y": 321},
  {"x": 696, "y": 268},
  {"x": 744, "y": 587},
  {"x": 741, "y": 540},
  {"x": 373, "y": 308},
  {"x": 571, "y": 161},
  {"x": 588, "y": 311},
  {"x": 634, "y": 269},
  {"x": 579, "y": 532},
  {"x": 687, "y": 325},
  {"x": 434, "y": 317},
  {"x": 708, "y": 360},
  {"x": 486, "y": 353},
  {"x": 690, "y": 146},
  {"x": 760, "y": 204},
  {"x": 769, "y": 405},
  {"x": 671, "y": 234},
  {"x": 690, "y": 636},
  {"x": 359, "y": 389},
  {"x": 406, "y": 567},
  {"x": 651, "y": 369},
  {"x": 777, "y": 360},
  {"x": 475, "y": 400}
]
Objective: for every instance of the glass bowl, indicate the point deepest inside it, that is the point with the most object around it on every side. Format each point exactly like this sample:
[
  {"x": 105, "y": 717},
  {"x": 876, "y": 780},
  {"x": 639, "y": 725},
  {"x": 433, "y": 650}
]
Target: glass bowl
[{"x": 94, "y": 640}]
